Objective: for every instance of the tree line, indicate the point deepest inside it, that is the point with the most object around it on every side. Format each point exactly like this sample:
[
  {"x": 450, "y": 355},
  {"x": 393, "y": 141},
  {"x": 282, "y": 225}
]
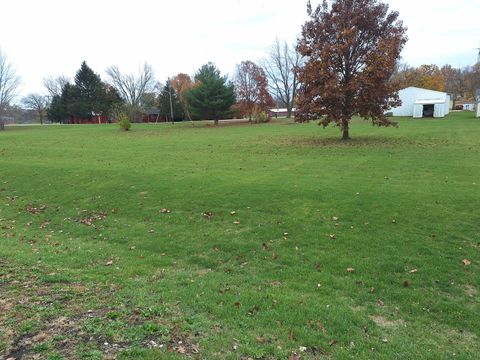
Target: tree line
[
  {"x": 346, "y": 63},
  {"x": 460, "y": 82},
  {"x": 207, "y": 95}
]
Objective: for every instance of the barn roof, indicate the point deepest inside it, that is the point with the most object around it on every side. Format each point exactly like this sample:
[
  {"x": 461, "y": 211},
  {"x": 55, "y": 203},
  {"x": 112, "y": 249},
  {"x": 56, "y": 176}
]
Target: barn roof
[{"x": 430, "y": 101}]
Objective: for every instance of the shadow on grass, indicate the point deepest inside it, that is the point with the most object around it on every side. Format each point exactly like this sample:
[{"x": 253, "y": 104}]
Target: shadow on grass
[{"x": 365, "y": 141}]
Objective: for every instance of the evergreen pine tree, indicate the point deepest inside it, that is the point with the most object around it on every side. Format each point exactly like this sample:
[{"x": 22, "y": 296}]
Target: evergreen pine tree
[{"x": 213, "y": 96}]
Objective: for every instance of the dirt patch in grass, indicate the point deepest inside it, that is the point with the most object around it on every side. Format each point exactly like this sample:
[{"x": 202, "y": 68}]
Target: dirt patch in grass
[
  {"x": 39, "y": 319},
  {"x": 471, "y": 291},
  {"x": 385, "y": 323}
]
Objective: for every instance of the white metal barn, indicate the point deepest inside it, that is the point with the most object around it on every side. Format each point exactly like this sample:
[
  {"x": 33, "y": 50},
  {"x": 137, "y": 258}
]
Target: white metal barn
[
  {"x": 421, "y": 103},
  {"x": 477, "y": 98}
]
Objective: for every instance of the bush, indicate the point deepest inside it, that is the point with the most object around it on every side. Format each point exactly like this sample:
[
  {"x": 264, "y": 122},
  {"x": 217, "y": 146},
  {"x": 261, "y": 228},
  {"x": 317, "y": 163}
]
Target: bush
[
  {"x": 124, "y": 123},
  {"x": 261, "y": 117}
]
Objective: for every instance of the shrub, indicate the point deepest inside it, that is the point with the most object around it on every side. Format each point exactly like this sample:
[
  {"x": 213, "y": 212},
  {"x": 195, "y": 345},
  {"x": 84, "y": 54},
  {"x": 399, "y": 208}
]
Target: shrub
[
  {"x": 123, "y": 122},
  {"x": 261, "y": 117}
]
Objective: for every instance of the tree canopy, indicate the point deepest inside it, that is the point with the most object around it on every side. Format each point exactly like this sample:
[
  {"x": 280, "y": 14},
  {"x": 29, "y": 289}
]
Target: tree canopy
[
  {"x": 351, "y": 49},
  {"x": 213, "y": 96},
  {"x": 251, "y": 86},
  {"x": 87, "y": 97}
]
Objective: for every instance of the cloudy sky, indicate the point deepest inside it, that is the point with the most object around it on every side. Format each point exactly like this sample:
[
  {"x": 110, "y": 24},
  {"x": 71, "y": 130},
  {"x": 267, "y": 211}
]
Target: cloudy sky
[{"x": 52, "y": 37}]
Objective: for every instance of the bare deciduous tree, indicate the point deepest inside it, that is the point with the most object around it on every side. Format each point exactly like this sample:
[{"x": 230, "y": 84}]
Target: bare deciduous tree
[
  {"x": 38, "y": 103},
  {"x": 9, "y": 83},
  {"x": 55, "y": 85},
  {"x": 132, "y": 87},
  {"x": 280, "y": 67}
]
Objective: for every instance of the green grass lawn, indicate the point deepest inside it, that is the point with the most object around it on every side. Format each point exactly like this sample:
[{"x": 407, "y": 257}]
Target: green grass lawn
[{"x": 174, "y": 241}]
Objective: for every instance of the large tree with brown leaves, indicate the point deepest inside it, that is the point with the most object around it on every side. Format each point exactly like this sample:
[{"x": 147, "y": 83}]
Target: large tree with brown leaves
[
  {"x": 252, "y": 89},
  {"x": 351, "y": 49}
]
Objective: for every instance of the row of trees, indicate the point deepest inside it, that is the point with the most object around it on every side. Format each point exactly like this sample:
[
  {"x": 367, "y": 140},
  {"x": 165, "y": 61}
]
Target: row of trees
[
  {"x": 459, "y": 82},
  {"x": 345, "y": 64},
  {"x": 254, "y": 88}
]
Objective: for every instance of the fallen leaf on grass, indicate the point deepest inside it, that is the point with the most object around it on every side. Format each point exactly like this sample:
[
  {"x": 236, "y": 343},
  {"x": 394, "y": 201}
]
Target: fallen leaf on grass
[
  {"x": 335, "y": 218},
  {"x": 44, "y": 224},
  {"x": 236, "y": 222},
  {"x": 109, "y": 263},
  {"x": 165, "y": 211},
  {"x": 333, "y": 236},
  {"x": 414, "y": 271},
  {"x": 302, "y": 349},
  {"x": 350, "y": 270},
  {"x": 233, "y": 213},
  {"x": 208, "y": 215},
  {"x": 181, "y": 350},
  {"x": 466, "y": 262}
]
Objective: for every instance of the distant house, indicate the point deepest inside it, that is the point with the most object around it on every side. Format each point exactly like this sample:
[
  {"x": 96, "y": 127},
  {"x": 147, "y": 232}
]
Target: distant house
[
  {"x": 464, "y": 105},
  {"x": 153, "y": 116},
  {"x": 95, "y": 119},
  {"x": 477, "y": 101},
  {"x": 281, "y": 112},
  {"x": 422, "y": 103}
]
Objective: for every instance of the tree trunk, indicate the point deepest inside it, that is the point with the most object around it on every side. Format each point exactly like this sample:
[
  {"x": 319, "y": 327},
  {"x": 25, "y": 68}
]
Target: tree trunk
[
  {"x": 216, "y": 122},
  {"x": 41, "y": 119},
  {"x": 289, "y": 112},
  {"x": 2, "y": 125},
  {"x": 345, "y": 129}
]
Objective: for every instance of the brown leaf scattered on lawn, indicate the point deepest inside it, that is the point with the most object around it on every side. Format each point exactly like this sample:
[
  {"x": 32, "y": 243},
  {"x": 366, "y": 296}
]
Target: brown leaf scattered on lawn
[
  {"x": 165, "y": 211},
  {"x": 90, "y": 220},
  {"x": 181, "y": 350},
  {"x": 233, "y": 213},
  {"x": 413, "y": 271},
  {"x": 466, "y": 262},
  {"x": 350, "y": 270},
  {"x": 236, "y": 222},
  {"x": 34, "y": 210},
  {"x": 44, "y": 224},
  {"x": 333, "y": 236},
  {"x": 208, "y": 215},
  {"x": 335, "y": 218},
  {"x": 109, "y": 263}
]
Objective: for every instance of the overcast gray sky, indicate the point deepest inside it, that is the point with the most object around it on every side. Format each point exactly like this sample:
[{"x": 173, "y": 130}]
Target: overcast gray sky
[{"x": 52, "y": 37}]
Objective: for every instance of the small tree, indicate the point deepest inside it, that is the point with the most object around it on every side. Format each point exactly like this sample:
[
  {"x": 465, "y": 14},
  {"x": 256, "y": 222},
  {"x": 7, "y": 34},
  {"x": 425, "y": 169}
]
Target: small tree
[
  {"x": 9, "y": 83},
  {"x": 182, "y": 84},
  {"x": 352, "y": 47},
  {"x": 279, "y": 66},
  {"x": 213, "y": 96},
  {"x": 37, "y": 103},
  {"x": 251, "y": 86},
  {"x": 169, "y": 103}
]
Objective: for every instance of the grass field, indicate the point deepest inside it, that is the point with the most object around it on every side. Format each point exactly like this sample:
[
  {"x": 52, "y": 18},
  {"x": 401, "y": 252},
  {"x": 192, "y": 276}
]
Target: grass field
[{"x": 273, "y": 241}]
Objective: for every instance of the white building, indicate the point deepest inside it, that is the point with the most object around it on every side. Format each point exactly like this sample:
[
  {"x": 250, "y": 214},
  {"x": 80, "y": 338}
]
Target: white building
[
  {"x": 477, "y": 98},
  {"x": 421, "y": 103}
]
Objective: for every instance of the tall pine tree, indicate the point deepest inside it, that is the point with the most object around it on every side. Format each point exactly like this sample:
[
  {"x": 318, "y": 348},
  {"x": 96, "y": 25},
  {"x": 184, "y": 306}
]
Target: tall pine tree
[
  {"x": 213, "y": 96},
  {"x": 87, "y": 97}
]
